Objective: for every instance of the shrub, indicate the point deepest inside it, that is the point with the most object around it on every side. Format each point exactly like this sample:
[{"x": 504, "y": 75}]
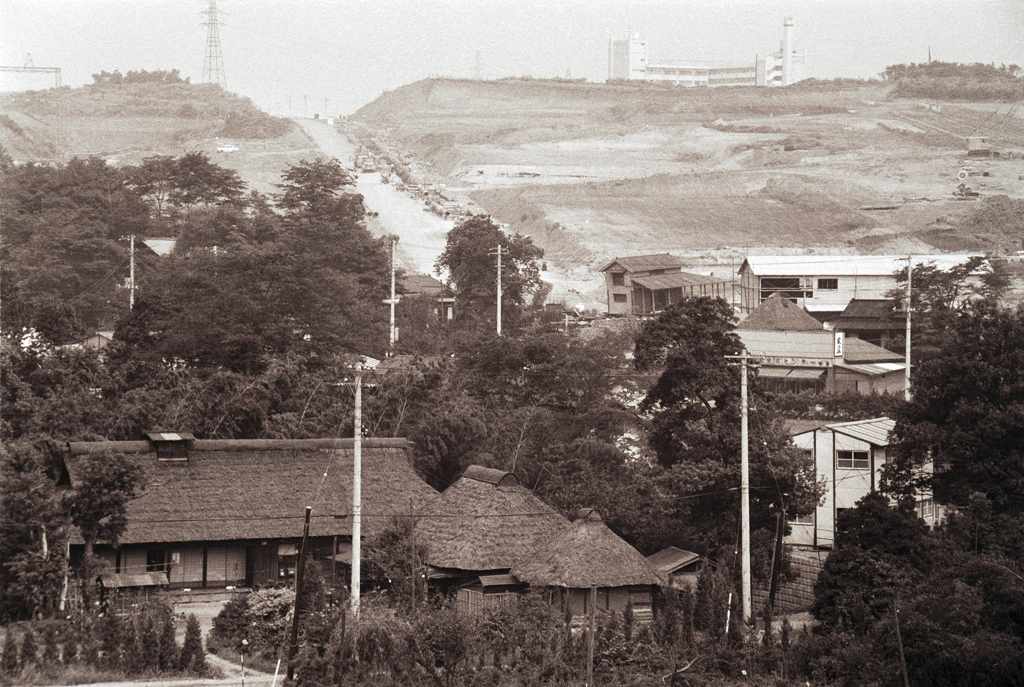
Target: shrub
[
  {"x": 193, "y": 658},
  {"x": 29, "y": 653},
  {"x": 167, "y": 658},
  {"x": 9, "y": 660}
]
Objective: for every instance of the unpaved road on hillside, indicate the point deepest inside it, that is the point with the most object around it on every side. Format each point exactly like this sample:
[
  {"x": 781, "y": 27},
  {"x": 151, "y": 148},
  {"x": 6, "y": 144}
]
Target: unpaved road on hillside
[{"x": 421, "y": 234}]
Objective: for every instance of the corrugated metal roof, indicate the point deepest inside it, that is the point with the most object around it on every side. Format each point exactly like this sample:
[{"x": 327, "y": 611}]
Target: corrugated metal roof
[
  {"x": 860, "y": 351},
  {"x": 122, "y": 580},
  {"x": 643, "y": 263},
  {"x": 843, "y": 265},
  {"x": 674, "y": 280},
  {"x": 498, "y": 581},
  {"x": 871, "y": 370},
  {"x": 874, "y": 431}
]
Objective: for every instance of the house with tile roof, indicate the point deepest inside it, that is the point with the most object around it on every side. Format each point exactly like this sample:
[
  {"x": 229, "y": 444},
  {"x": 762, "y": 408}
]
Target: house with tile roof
[
  {"x": 848, "y": 460},
  {"x": 874, "y": 320},
  {"x": 222, "y": 513},
  {"x": 645, "y": 284},
  {"x": 795, "y": 352}
]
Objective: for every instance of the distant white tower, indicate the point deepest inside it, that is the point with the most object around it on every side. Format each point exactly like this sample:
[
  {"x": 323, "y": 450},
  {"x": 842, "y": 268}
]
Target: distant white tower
[
  {"x": 787, "y": 51},
  {"x": 627, "y": 58}
]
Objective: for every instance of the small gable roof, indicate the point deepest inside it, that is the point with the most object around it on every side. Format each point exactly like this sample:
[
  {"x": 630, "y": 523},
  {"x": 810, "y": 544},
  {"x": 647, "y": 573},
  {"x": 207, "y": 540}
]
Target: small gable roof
[
  {"x": 644, "y": 263},
  {"x": 672, "y": 559},
  {"x": 779, "y": 314},
  {"x": 485, "y": 521},
  {"x": 860, "y": 351},
  {"x": 869, "y": 313},
  {"x": 874, "y": 431},
  {"x": 418, "y": 284},
  {"x": 259, "y": 489},
  {"x": 587, "y": 554}
]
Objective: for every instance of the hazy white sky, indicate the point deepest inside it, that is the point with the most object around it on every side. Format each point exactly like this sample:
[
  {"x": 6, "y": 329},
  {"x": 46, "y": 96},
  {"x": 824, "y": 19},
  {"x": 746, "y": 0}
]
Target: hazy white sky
[{"x": 349, "y": 51}]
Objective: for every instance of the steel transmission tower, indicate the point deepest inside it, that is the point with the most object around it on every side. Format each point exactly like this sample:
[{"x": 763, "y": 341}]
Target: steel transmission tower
[{"x": 213, "y": 62}]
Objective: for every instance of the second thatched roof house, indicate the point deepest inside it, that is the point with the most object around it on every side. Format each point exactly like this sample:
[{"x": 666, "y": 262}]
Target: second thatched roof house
[
  {"x": 588, "y": 560},
  {"x": 483, "y": 524}
]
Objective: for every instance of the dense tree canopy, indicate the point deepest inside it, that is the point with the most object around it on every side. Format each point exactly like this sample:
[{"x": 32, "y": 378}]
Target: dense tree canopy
[
  {"x": 470, "y": 259},
  {"x": 695, "y": 427},
  {"x": 967, "y": 414}
]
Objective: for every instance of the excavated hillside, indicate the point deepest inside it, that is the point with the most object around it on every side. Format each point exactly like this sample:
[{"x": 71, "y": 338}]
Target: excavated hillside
[{"x": 593, "y": 171}]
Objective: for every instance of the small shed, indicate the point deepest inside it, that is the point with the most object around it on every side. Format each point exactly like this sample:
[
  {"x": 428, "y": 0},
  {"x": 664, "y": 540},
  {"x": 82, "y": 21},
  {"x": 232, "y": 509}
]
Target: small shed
[
  {"x": 120, "y": 592},
  {"x": 587, "y": 555},
  {"x": 679, "y": 566}
]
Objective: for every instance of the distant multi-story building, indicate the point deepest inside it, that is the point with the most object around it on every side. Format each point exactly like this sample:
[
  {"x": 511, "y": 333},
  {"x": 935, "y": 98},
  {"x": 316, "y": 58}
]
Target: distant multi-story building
[{"x": 627, "y": 60}]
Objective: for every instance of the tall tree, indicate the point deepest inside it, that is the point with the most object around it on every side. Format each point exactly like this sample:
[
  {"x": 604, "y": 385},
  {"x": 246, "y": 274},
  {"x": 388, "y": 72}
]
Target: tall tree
[
  {"x": 104, "y": 484},
  {"x": 967, "y": 415},
  {"x": 695, "y": 433},
  {"x": 470, "y": 259}
]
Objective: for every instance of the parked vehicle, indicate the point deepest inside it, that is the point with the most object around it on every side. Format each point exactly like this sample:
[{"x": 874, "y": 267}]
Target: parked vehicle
[{"x": 229, "y": 148}]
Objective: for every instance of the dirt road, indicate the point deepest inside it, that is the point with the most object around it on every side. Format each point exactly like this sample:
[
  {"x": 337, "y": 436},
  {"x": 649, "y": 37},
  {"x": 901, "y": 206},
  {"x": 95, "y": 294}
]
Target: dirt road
[{"x": 421, "y": 234}]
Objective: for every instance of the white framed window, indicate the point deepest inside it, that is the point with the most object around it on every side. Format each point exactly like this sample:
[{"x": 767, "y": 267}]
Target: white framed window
[
  {"x": 853, "y": 460},
  {"x": 828, "y": 284}
]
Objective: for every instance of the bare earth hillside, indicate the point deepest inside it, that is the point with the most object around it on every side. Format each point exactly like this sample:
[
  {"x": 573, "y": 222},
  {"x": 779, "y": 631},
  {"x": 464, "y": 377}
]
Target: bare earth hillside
[
  {"x": 592, "y": 171},
  {"x": 125, "y": 123}
]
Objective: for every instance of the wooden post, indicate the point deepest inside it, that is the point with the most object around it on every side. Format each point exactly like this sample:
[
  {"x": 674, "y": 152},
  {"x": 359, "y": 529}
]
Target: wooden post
[
  {"x": 899, "y": 642},
  {"x": 300, "y": 569},
  {"x": 590, "y": 639}
]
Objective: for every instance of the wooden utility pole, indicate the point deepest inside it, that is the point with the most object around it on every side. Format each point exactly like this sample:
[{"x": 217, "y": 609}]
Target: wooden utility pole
[
  {"x": 300, "y": 569},
  {"x": 393, "y": 300},
  {"x": 357, "y": 490},
  {"x": 744, "y": 489},
  {"x": 899, "y": 643},
  {"x": 910, "y": 274},
  {"x": 590, "y": 637},
  {"x": 498, "y": 253},
  {"x": 131, "y": 273},
  {"x": 499, "y": 290}
]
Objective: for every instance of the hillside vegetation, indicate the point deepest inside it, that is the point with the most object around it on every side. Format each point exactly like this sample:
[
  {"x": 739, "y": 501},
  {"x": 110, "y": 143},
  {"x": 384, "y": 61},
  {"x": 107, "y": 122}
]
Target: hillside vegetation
[
  {"x": 597, "y": 170},
  {"x": 126, "y": 115}
]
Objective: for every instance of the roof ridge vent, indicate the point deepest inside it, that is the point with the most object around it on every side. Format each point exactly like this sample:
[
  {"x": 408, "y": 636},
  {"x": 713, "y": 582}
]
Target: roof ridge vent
[{"x": 170, "y": 447}]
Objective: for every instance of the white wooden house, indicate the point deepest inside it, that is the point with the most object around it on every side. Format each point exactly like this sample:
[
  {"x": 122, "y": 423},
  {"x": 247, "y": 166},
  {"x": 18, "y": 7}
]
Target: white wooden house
[
  {"x": 825, "y": 284},
  {"x": 848, "y": 458}
]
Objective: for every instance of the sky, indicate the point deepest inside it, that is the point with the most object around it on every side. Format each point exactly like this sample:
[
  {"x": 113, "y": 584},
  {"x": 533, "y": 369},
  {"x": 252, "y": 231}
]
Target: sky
[{"x": 333, "y": 56}]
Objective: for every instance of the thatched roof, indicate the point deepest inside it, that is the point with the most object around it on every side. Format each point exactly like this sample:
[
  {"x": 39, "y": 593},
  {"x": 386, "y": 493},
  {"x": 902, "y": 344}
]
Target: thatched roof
[
  {"x": 486, "y": 521},
  {"x": 587, "y": 554},
  {"x": 779, "y": 314},
  {"x": 259, "y": 489}
]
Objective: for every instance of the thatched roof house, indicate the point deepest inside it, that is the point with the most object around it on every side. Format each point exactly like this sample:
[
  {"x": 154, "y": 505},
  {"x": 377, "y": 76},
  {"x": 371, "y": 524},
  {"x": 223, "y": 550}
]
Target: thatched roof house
[
  {"x": 230, "y": 512},
  {"x": 484, "y": 523},
  {"x": 588, "y": 555}
]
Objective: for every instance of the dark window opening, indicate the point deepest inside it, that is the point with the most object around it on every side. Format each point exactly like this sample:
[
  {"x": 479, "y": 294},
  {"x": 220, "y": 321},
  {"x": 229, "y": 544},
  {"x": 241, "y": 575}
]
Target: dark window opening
[
  {"x": 618, "y": 279},
  {"x": 156, "y": 560},
  {"x": 828, "y": 284},
  {"x": 620, "y": 297}
]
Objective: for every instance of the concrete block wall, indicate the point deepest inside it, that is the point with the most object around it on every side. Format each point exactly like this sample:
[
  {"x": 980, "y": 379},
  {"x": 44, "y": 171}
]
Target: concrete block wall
[{"x": 797, "y": 594}]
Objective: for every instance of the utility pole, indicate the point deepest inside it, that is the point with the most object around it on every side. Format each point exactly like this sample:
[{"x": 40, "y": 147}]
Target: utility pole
[
  {"x": 357, "y": 489},
  {"x": 744, "y": 489},
  {"x": 910, "y": 276},
  {"x": 393, "y": 300},
  {"x": 300, "y": 569},
  {"x": 131, "y": 273},
  {"x": 498, "y": 253},
  {"x": 590, "y": 637}
]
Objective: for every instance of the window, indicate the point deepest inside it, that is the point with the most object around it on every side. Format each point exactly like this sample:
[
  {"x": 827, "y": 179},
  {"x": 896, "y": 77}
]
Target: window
[
  {"x": 855, "y": 460},
  {"x": 828, "y": 284},
  {"x": 803, "y": 519},
  {"x": 156, "y": 560},
  {"x": 619, "y": 297},
  {"x": 926, "y": 509},
  {"x": 618, "y": 279},
  {"x": 787, "y": 287}
]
